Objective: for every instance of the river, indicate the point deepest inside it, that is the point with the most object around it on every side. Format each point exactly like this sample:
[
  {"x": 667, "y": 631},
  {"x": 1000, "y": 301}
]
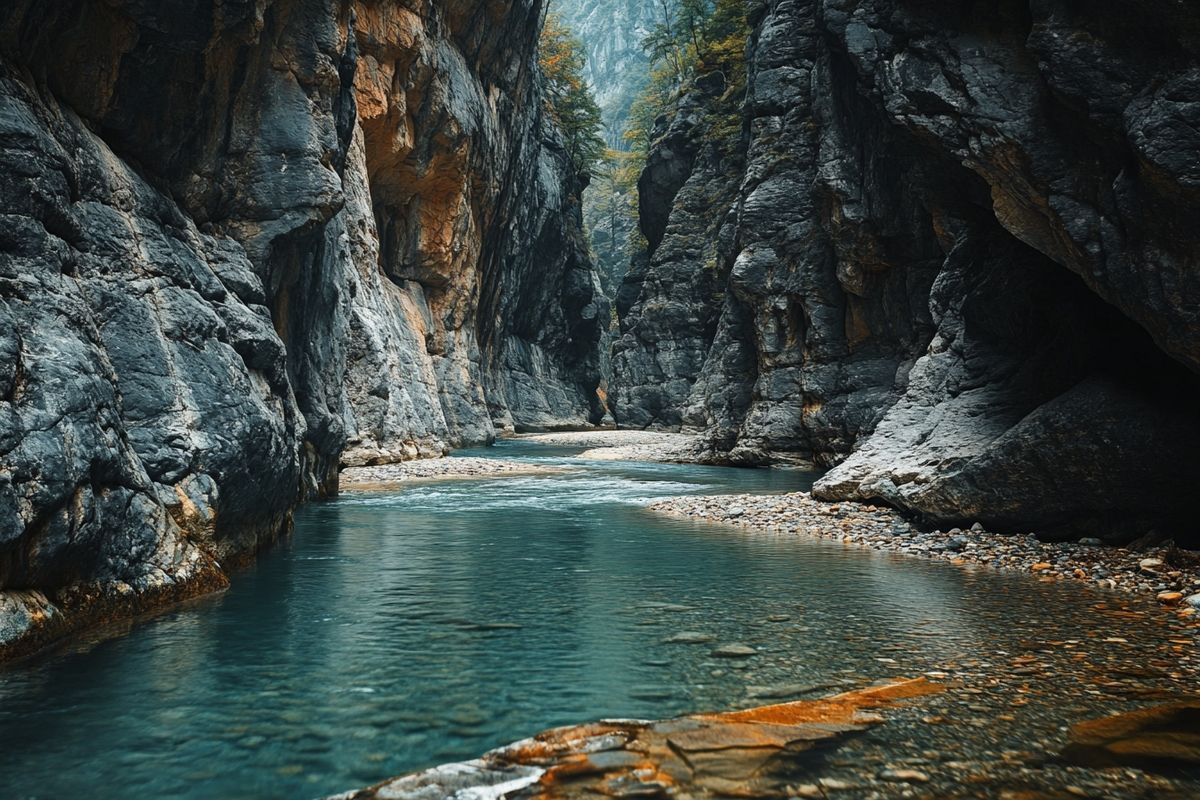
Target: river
[{"x": 398, "y": 630}]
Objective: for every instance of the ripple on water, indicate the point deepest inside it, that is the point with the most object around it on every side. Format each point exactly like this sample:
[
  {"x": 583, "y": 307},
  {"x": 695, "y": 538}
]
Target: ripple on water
[
  {"x": 548, "y": 493},
  {"x": 395, "y": 631}
]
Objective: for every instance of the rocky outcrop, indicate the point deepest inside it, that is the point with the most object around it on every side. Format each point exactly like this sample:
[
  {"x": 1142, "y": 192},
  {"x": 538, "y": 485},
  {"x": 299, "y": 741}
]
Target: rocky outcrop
[
  {"x": 475, "y": 306},
  {"x": 245, "y": 242},
  {"x": 960, "y": 270},
  {"x": 669, "y": 301},
  {"x": 756, "y": 753},
  {"x": 616, "y": 69}
]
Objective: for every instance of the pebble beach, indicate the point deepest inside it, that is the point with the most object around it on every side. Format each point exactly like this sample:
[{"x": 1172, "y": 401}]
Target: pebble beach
[
  {"x": 386, "y": 476},
  {"x": 1171, "y": 576}
]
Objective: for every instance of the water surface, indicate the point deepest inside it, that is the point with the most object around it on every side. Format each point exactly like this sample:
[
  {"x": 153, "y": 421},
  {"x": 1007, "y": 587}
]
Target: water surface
[{"x": 396, "y": 631}]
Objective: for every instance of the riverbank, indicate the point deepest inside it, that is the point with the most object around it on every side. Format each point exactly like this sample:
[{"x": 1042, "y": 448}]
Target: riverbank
[
  {"x": 1172, "y": 577},
  {"x": 388, "y": 476},
  {"x": 814, "y": 749},
  {"x": 622, "y": 445}
]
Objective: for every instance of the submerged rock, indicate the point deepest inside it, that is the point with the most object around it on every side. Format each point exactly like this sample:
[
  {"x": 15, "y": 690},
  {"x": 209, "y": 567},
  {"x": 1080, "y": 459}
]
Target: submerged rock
[
  {"x": 789, "y": 690},
  {"x": 753, "y": 753},
  {"x": 689, "y": 637},
  {"x": 1158, "y": 737},
  {"x": 734, "y": 651}
]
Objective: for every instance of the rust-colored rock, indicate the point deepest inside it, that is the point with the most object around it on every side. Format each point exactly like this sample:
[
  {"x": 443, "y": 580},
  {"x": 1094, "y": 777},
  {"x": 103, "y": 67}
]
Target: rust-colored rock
[{"x": 750, "y": 753}]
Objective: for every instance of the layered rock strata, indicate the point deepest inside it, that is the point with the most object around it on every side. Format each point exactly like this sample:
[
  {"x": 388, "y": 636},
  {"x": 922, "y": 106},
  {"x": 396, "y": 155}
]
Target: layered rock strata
[
  {"x": 956, "y": 266},
  {"x": 246, "y": 242}
]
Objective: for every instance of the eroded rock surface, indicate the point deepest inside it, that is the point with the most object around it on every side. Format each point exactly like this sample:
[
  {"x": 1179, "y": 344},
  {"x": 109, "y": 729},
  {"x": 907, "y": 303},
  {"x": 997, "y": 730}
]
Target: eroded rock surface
[
  {"x": 246, "y": 242},
  {"x": 956, "y": 264},
  {"x": 753, "y": 753}
]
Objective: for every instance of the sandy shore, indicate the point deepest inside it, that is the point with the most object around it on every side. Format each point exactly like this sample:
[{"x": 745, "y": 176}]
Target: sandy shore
[
  {"x": 386, "y": 476},
  {"x": 1170, "y": 576},
  {"x": 624, "y": 445},
  {"x": 602, "y": 445}
]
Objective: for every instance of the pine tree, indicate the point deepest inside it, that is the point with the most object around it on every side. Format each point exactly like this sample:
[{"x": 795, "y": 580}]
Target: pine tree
[
  {"x": 692, "y": 37},
  {"x": 569, "y": 102}
]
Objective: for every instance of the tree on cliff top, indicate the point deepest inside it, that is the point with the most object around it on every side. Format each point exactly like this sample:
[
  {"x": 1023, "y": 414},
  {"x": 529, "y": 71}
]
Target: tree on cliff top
[
  {"x": 569, "y": 101},
  {"x": 691, "y": 38}
]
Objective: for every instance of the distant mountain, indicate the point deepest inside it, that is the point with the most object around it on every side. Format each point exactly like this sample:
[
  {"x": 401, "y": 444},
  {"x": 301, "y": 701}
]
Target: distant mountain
[{"x": 612, "y": 32}]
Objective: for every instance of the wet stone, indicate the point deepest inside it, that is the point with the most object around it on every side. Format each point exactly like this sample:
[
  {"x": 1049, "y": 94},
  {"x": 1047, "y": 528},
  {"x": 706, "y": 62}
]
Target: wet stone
[
  {"x": 1155, "y": 737},
  {"x": 734, "y": 651},
  {"x": 689, "y": 637},
  {"x": 904, "y": 776}
]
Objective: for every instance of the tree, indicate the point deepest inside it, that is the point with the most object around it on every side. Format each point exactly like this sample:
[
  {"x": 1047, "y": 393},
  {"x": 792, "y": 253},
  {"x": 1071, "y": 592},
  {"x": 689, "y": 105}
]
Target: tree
[
  {"x": 569, "y": 102},
  {"x": 663, "y": 42},
  {"x": 616, "y": 194},
  {"x": 692, "y": 37}
]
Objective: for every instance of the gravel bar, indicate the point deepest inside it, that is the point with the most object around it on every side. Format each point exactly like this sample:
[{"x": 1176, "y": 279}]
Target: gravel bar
[
  {"x": 1170, "y": 575},
  {"x": 624, "y": 445},
  {"x": 388, "y": 475}
]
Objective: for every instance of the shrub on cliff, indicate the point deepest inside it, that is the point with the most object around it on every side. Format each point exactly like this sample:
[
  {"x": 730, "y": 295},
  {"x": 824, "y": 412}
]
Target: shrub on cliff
[
  {"x": 692, "y": 38},
  {"x": 569, "y": 102}
]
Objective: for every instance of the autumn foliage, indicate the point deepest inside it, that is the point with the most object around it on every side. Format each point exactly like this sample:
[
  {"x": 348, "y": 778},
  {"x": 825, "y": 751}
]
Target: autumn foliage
[{"x": 569, "y": 101}]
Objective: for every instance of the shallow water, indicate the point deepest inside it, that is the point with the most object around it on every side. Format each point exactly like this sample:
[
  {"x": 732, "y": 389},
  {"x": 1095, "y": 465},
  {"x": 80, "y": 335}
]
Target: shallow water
[{"x": 396, "y": 631}]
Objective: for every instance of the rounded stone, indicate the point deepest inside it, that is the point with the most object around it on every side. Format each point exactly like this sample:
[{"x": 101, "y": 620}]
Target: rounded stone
[{"x": 734, "y": 651}]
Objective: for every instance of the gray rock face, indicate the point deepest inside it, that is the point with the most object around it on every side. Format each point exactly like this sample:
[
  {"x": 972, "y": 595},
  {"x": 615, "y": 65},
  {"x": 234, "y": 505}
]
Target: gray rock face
[
  {"x": 244, "y": 243},
  {"x": 959, "y": 268},
  {"x": 616, "y": 69},
  {"x": 486, "y": 313},
  {"x": 669, "y": 301}
]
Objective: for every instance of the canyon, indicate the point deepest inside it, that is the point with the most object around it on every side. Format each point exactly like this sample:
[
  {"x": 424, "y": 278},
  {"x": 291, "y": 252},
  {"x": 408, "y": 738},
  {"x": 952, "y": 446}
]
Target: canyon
[
  {"x": 279, "y": 279},
  {"x": 245, "y": 243},
  {"x": 945, "y": 256}
]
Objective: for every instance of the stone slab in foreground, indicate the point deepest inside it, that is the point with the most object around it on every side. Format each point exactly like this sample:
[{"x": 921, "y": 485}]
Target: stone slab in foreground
[{"x": 752, "y": 753}]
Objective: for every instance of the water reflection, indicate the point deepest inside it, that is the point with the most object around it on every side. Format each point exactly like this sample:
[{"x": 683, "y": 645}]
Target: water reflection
[{"x": 397, "y": 631}]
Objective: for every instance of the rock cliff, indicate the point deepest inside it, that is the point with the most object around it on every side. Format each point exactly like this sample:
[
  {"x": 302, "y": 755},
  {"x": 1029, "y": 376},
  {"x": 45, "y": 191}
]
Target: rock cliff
[
  {"x": 955, "y": 262},
  {"x": 246, "y": 242},
  {"x": 617, "y": 68}
]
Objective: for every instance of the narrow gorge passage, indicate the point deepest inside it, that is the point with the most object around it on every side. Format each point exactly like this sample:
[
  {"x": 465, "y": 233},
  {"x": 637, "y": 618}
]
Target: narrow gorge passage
[{"x": 502, "y": 399}]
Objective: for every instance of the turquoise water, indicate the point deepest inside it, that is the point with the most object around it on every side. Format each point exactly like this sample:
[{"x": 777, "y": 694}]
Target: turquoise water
[{"x": 396, "y": 631}]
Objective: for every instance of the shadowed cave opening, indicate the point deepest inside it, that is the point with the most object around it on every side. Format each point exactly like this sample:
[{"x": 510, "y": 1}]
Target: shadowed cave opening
[{"x": 1094, "y": 424}]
